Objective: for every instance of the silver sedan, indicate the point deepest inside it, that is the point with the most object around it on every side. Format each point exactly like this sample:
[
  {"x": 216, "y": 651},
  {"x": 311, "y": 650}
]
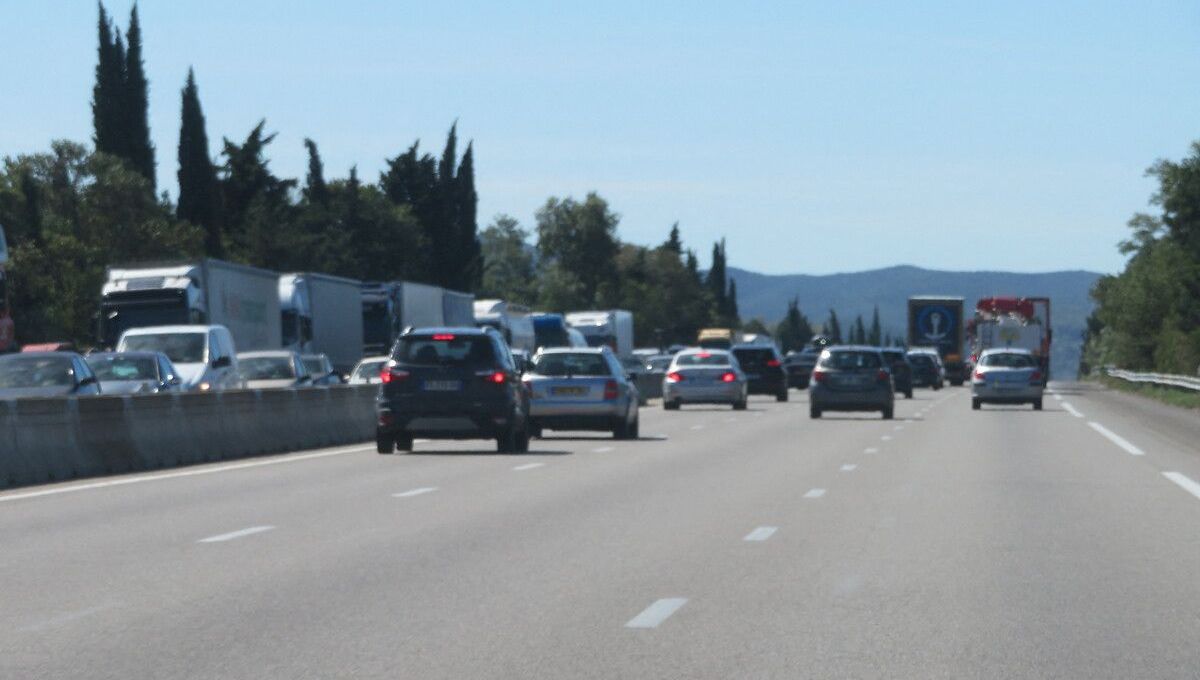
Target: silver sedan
[
  {"x": 1007, "y": 376},
  {"x": 704, "y": 376}
]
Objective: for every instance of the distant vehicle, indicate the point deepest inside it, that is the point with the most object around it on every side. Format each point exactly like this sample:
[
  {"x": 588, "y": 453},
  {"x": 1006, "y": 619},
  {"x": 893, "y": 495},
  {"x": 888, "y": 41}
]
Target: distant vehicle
[
  {"x": 763, "y": 368},
  {"x": 902, "y": 370},
  {"x": 389, "y": 307},
  {"x": 675, "y": 349},
  {"x": 610, "y": 328},
  {"x": 926, "y": 369},
  {"x": 134, "y": 372},
  {"x": 659, "y": 363},
  {"x": 522, "y": 359},
  {"x": 646, "y": 352},
  {"x": 705, "y": 376},
  {"x": 243, "y": 300},
  {"x": 451, "y": 383},
  {"x": 716, "y": 338},
  {"x": 511, "y": 320},
  {"x": 273, "y": 369},
  {"x": 1007, "y": 376},
  {"x": 851, "y": 378},
  {"x": 799, "y": 366},
  {"x": 581, "y": 389},
  {"x": 205, "y": 357},
  {"x": 1021, "y": 323},
  {"x": 636, "y": 369},
  {"x": 937, "y": 321},
  {"x": 46, "y": 374},
  {"x": 458, "y": 308},
  {"x": 367, "y": 370},
  {"x": 322, "y": 314},
  {"x": 322, "y": 370},
  {"x": 8, "y": 331},
  {"x": 551, "y": 330}
]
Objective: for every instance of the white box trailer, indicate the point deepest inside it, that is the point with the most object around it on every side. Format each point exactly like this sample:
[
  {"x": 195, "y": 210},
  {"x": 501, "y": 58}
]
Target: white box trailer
[
  {"x": 458, "y": 309},
  {"x": 243, "y": 299},
  {"x": 389, "y": 307},
  {"x": 322, "y": 314},
  {"x": 510, "y": 319},
  {"x": 613, "y": 327}
]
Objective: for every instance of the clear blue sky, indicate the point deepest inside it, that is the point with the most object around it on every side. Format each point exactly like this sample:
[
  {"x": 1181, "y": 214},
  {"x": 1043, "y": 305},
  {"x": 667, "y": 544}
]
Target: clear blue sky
[{"x": 816, "y": 136}]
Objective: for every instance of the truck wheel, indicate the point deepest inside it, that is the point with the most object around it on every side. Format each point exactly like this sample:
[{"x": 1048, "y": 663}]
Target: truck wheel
[
  {"x": 976, "y": 404},
  {"x": 384, "y": 443}
]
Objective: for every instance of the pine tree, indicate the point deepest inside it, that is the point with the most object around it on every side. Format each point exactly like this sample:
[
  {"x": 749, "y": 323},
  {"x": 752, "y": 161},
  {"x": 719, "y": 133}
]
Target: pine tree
[
  {"x": 875, "y": 335},
  {"x": 444, "y": 233},
  {"x": 692, "y": 263},
  {"x": 107, "y": 93},
  {"x": 833, "y": 329},
  {"x": 717, "y": 283},
  {"x": 139, "y": 150},
  {"x": 858, "y": 332},
  {"x": 199, "y": 192},
  {"x": 673, "y": 243},
  {"x": 731, "y": 304},
  {"x": 469, "y": 249},
  {"x": 315, "y": 189}
]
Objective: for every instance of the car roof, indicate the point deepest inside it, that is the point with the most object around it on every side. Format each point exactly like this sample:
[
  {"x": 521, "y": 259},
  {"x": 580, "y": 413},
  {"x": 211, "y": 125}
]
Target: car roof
[
  {"x": 267, "y": 354},
  {"x": 702, "y": 350},
  {"x": 181, "y": 328},
  {"x": 137, "y": 354},
  {"x": 853, "y": 348},
  {"x": 41, "y": 355},
  {"x": 450, "y": 330},
  {"x": 318, "y": 355},
  {"x": 752, "y": 345},
  {"x": 1006, "y": 350},
  {"x": 367, "y": 360},
  {"x": 573, "y": 350}
]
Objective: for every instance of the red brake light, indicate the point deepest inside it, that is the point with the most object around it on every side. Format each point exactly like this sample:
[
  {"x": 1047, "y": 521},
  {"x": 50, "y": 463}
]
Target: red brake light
[
  {"x": 979, "y": 374},
  {"x": 443, "y": 336},
  {"x": 674, "y": 377},
  {"x": 883, "y": 376},
  {"x": 819, "y": 376},
  {"x": 729, "y": 377},
  {"x": 704, "y": 355},
  {"x": 773, "y": 363},
  {"x": 390, "y": 374},
  {"x": 610, "y": 390},
  {"x": 494, "y": 377},
  {"x": 1035, "y": 378}
]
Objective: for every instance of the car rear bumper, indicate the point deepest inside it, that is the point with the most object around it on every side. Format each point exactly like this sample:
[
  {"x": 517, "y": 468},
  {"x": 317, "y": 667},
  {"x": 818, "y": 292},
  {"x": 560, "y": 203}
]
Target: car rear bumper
[
  {"x": 477, "y": 421},
  {"x": 865, "y": 400},
  {"x": 766, "y": 385},
  {"x": 995, "y": 393},
  {"x": 724, "y": 393},
  {"x": 545, "y": 408}
]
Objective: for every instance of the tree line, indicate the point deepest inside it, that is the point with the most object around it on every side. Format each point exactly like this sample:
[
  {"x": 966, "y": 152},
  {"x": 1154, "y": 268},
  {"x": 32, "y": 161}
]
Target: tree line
[{"x": 1148, "y": 316}]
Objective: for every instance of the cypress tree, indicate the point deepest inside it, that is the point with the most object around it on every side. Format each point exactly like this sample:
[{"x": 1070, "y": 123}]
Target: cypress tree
[
  {"x": 107, "y": 92},
  {"x": 315, "y": 189},
  {"x": 444, "y": 234},
  {"x": 875, "y": 335},
  {"x": 469, "y": 250},
  {"x": 139, "y": 150},
  {"x": 674, "y": 244},
  {"x": 199, "y": 192},
  {"x": 716, "y": 278},
  {"x": 833, "y": 328},
  {"x": 731, "y": 304},
  {"x": 858, "y": 332}
]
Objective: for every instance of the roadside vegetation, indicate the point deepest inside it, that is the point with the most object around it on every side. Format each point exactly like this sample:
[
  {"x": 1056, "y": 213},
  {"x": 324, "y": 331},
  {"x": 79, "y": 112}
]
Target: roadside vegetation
[{"x": 1169, "y": 395}]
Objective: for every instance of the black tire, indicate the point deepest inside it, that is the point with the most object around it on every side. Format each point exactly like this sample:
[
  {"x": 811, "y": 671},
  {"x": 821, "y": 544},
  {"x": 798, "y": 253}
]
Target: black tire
[
  {"x": 635, "y": 429},
  {"x": 888, "y": 413},
  {"x": 535, "y": 431},
  {"x": 908, "y": 393},
  {"x": 506, "y": 441},
  {"x": 1037, "y": 405},
  {"x": 404, "y": 443},
  {"x": 670, "y": 406},
  {"x": 814, "y": 412},
  {"x": 976, "y": 404},
  {"x": 739, "y": 405},
  {"x": 384, "y": 443},
  {"x": 521, "y": 443},
  {"x": 620, "y": 430},
  {"x": 782, "y": 396}
]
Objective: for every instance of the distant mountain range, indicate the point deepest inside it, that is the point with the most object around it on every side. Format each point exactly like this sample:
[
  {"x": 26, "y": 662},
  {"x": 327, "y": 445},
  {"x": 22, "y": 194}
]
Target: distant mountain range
[{"x": 765, "y": 296}]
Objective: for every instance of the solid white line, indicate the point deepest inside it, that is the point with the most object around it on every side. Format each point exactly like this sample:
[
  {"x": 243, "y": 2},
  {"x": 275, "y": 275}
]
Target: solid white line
[
  {"x": 898, "y": 428},
  {"x": 761, "y": 534},
  {"x": 602, "y": 449},
  {"x": 1185, "y": 482},
  {"x": 527, "y": 466},
  {"x": 850, "y": 467},
  {"x": 815, "y": 493},
  {"x": 415, "y": 492},
  {"x": 236, "y": 534},
  {"x": 871, "y": 449},
  {"x": 1071, "y": 409},
  {"x": 1116, "y": 439},
  {"x": 296, "y": 458},
  {"x": 657, "y": 613}
]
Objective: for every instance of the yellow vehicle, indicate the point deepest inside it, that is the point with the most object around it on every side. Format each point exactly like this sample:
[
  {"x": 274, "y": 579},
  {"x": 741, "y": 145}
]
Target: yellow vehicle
[{"x": 716, "y": 338}]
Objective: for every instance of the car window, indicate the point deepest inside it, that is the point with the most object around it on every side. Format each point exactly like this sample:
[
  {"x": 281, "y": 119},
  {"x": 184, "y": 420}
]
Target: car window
[
  {"x": 753, "y": 357},
  {"x": 702, "y": 359},
  {"x": 181, "y": 348},
  {"x": 267, "y": 368},
  {"x": 561, "y": 364},
  {"x": 315, "y": 365},
  {"x": 165, "y": 371},
  {"x": 369, "y": 369},
  {"x": 18, "y": 371},
  {"x": 1007, "y": 360},
  {"x": 123, "y": 368},
  {"x": 850, "y": 360},
  {"x": 446, "y": 349}
]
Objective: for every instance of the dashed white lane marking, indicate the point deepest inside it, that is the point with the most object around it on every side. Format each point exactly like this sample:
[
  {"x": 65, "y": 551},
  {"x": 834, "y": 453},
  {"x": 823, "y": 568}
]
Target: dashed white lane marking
[
  {"x": 886, "y": 437},
  {"x": 871, "y": 449},
  {"x": 731, "y": 420},
  {"x": 1185, "y": 482},
  {"x": 849, "y": 467},
  {"x": 527, "y": 466},
  {"x": 815, "y": 493},
  {"x": 697, "y": 427},
  {"x": 602, "y": 449},
  {"x": 898, "y": 428},
  {"x": 1071, "y": 409},
  {"x": 295, "y": 458},
  {"x": 1057, "y": 397},
  {"x": 240, "y": 533},
  {"x": 415, "y": 492},
  {"x": 656, "y": 613},
  {"x": 761, "y": 534},
  {"x": 1116, "y": 439}
]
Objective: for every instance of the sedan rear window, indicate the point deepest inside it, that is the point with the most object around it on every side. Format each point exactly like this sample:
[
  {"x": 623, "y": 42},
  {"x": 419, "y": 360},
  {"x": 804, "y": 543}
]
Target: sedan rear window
[
  {"x": 123, "y": 368},
  {"x": 702, "y": 359},
  {"x": 922, "y": 360},
  {"x": 19, "y": 371},
  {"x": 446, "y": 350},
  {"x": 266, "y": 368},
  {"x": 571, "y": 364},
  {"x": 849, "y": 361},
  {"x": 1007, "y": 360}
]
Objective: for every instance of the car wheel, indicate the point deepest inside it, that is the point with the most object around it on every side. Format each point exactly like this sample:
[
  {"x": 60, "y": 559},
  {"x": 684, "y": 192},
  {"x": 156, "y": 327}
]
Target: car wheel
[
  {"x": 888, "y": 413},
  {"x": 908, "y": 393},
  {"x": 521, "y": 443},
  {"x": 404, "y": 443},
  {"x": 814, "y": 412},
  {"x": 1037, "y": 405},
  {"x": 976, "y": 404},
  {"x": 535, "y": 431},
  {"x": 739, "y": 405},
  {"x": 384, "y": 443},
  {"x": 506, "y": 441},
  {"x": 782, "y": 396},
  {"x": 635, "y": 429},
  {"x": 670, "y": 405}
]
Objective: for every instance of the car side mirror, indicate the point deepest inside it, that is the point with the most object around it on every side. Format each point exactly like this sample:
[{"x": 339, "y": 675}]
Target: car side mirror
[
  {"x": 222, "y": 362},
  {"x": 630, "y": 377},
  {"x": 174, "y": 380}
]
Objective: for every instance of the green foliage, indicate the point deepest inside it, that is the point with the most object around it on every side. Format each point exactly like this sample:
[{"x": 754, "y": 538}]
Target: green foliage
[
  {"x": 756, "y": 327},
  {"x": 508, "y": 271},
  {"x": 833, "y": 328},
  {"x": 794, "y": 331},
  {"x": 120, "y": 101},
  {"x": 578, "y": 245},
  {"x": 199, "y": 191},
  {"x": 875, "y": 334}
]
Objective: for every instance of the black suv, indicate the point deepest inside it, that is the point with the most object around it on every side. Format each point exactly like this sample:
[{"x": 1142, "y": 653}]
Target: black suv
[
  {"x": 764, "y": 370},
  {"x": 901, "y": 370},
  {"x": 451, "y": 383}
]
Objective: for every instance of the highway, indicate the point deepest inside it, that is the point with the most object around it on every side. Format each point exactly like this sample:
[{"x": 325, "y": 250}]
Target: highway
[{"x": 761, "y": 544}]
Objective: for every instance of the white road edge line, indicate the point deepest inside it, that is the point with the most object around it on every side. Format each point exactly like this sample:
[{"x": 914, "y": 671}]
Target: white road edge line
[
  {"x": 219, "y": 538},
  {"x": 1071, "y": 409},
  {"x": 1057, "y": 397},
  {"x": 527, "y": 466},
  {"x": 815, "y": 493},
  {"x": 1185, "y": 482},
  {"x": 656, "y": 613},
  {"x": 849, "y": 467},
  {"x": 761, "y": 534},
  {"x": 286, "y": 458},
  {"x": 886, "y": 438},
  {"x": 1116, "y": 439},
  {"x": 415, "y": 492}
]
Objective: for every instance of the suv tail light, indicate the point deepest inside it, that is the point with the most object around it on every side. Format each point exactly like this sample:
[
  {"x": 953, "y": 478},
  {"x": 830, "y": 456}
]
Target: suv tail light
[
  {"x": 674, "y": 376},
  {"x": 773, "y": 363},
  {"x": 391, "y": 374},
  {"x": 610, "y": 390},
  {"x": 979, "y": 375},
  {"x": 1035, "y": 378},
  {"x": 493, "y": 377},
  {"x": 883, "y": 376},
  {"x": 820, "y": 376},
  {"x": 729, "y": 377}
]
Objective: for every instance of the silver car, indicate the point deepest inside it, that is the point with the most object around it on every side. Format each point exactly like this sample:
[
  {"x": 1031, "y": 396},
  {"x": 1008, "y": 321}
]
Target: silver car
[
  {"x": 704, "y": 376},
  {"x": 134, "y": 372},
  {"x": 581, "y": 389},
  {"x": 1007, "y": 376},
  {"x": 273, "y": 369},
  {"x": 367, "y": 371}
]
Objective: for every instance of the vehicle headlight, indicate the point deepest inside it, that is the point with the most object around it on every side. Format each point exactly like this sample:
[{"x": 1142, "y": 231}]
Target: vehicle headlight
[{"x": 204, "y": 386}]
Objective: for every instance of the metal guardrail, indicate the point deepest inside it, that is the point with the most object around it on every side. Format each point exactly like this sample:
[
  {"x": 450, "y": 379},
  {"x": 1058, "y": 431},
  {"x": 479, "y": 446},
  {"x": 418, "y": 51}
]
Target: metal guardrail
[{"x": 1180, "y": 381}]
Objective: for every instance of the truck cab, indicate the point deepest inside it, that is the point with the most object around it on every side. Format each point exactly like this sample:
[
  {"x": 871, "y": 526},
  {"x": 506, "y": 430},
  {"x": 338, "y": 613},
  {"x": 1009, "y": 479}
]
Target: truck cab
[{"x": 156, "y": 296}]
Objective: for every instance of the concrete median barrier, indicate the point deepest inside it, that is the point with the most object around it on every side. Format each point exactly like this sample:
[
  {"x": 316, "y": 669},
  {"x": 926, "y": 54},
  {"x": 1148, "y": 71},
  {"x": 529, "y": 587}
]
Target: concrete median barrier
[{"x": 48, "y": 440}]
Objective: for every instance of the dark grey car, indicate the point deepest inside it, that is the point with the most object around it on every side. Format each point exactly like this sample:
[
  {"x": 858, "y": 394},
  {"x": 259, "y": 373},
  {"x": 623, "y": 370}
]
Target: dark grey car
[
  {"x": 851, "y": 378},
  {"x": 46, "y": 374}
]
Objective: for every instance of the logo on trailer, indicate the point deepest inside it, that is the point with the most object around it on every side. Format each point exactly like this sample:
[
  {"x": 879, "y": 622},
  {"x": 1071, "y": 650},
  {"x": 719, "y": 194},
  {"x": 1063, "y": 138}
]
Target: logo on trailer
[{"x": 935, "y": 323}]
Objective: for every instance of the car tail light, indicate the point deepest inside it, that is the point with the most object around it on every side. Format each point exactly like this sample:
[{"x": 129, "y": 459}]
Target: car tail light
[
  {"x": 729, "y": 377},
  {"x": 443, "y": 336},
  {"x": 391, "y": 374},
  {"x": 494, "y": 377},
  {"x": 1035, "y": 378},
  {"x": 610, "y": 390},
  {"x": 674, "y": 377},
  {"x": 883, "y": 376},
  {"x": 820, "y": 376},
  {"x": 979, "y": 375},
  {"x": 773, "y": 363}
]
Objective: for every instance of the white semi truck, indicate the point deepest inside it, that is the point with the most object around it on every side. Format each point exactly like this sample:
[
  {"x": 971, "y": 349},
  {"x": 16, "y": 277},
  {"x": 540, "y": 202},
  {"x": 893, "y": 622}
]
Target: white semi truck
[
  {"x": 512, "y": 320},
  {"x": 389, "y": 307},
  {"x": 243, "y": 299},
  {"x": 322, "y": 314}
]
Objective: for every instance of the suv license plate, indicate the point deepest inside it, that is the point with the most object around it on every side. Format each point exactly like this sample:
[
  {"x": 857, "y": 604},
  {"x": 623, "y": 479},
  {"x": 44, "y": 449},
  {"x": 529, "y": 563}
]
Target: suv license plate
[{"x": 443, "y": 385}]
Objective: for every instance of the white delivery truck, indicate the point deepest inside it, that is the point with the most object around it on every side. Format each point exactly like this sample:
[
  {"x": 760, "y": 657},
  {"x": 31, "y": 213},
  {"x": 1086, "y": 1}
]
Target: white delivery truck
[
  {"x": 245, "y": 300},
  {"x": 321, "y": 314},
  {"x": 458, "y": 309},
  {"x": 510, "y": 319},
  {"x": 389, "y": 307},
  {"x": 613, "y": 327}
]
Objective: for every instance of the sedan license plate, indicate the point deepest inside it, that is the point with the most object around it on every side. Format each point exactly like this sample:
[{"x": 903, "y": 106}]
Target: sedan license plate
[
  {"x": 442, "y": 385},
  {"x": 568, "y": 391}
]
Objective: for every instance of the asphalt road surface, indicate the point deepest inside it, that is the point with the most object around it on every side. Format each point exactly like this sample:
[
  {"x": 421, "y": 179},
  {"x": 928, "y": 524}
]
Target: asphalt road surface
[{"x": 760, "y": 544}]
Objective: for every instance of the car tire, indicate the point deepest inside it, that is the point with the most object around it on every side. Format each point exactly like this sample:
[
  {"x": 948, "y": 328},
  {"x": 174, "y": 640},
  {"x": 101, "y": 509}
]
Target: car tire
[
  {"x": 670, "y": 405},
  {"x": 814, "y": 412},
  {"x": 535, "y": 431},
  {"x": 976, "y": 404},
  {"x": 404, "y": 443},
  {"x": 908, "y": 393},
  {"x": 521, "y": 442},
  {"x": 506, "y": 441},
  {"x": 384, "y": 443},
  {"x": 739, "y": 405},
  {"x": 621, "y": 430},
  {"x": 782, "y": 396},
  {"x": 888, "y": 413},
  {"x": 1037, "y": 405},
  {"x": 635, "y": 429}
]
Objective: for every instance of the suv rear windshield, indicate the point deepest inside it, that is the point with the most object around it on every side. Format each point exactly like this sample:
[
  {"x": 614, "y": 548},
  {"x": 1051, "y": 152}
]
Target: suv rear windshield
[
  {"x": 850, "y": 361},
  {"x": 922, "y": 360},
  {"x": 702, "y": 359},
  {"x": 894, "y": 355},
  {"x": 1007, "y": 360},
  {"x": 266, "y": 368},
  {"x": 571, "y": 364},
  {"x": 123, "y": 368},
  {"x": 446, "y": 349},
  {"x": 753, "y": 357}
]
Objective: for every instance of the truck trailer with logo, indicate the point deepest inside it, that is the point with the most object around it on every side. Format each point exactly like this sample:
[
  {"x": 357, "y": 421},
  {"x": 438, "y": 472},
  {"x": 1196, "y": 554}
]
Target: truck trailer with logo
[{"x": 937, "y": 321}]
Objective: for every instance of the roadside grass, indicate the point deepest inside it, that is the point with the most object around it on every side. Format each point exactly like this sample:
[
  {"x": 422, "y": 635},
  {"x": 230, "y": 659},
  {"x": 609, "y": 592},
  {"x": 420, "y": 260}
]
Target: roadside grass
[{"x": 1168, "y": 395}]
